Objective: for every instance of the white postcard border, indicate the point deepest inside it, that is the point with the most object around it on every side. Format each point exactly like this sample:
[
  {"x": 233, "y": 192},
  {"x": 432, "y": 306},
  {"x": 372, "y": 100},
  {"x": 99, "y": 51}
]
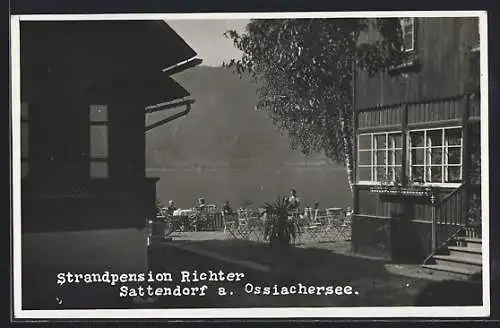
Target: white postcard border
[{"x": 324, "y": 312}]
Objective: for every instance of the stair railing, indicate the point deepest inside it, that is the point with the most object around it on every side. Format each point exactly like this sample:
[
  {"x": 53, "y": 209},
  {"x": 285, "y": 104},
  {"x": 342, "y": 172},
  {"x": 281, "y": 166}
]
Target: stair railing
[{"x": 448, "y": 219}]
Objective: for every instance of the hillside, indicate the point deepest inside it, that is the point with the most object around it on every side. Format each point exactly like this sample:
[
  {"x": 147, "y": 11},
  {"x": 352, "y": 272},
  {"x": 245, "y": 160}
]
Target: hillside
[
  {"x": 222, "y": 130},
  {"x": 225, "y": 150}
]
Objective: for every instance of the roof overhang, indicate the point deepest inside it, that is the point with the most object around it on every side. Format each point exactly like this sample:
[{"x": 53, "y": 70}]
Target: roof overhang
[
  {"x": 99, "y": 52},
  {"x": 190, "y": 63}
]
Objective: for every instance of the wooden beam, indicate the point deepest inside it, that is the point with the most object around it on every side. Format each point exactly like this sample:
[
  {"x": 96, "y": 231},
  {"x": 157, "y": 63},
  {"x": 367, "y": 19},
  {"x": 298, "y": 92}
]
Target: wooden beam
[
  {"x": 379, "y": 128},
  {"x": 183, "y": 66},
  {"x": 435, "y": 124},
  {"x": 169, "y": 119},
  {"x": 169, "y": 106}
]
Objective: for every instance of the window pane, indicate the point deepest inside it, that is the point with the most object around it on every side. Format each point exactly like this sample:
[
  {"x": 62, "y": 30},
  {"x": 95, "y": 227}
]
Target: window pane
[
  {"x": 395, "y": 173},
  {"x": 381, "y": 173},
  {"x": 24, "y": 140},
  {"x": 398, "y": 172},
  {"x": 408, "y": 29},
  {"x": 99, "y": 141},
  {"x": 454, "y": 156},
  {"x": 417, "y": 156},
  {"x": 453, "y": 136},
  {"x": 417, "y": 139},
  {"x": 435, "y": 137},
  {"x": 408, "y": 41},
  {"x": 436, "y": 174},
  {"x": 364, "y": 173},
  {"x": 98, "y": 169},
  {"x": 365, "y": 141},
  {"x": 399, "y": 157},
  {"x": 98, "y": 113},
  {"x": 395, "y": 157},
  {"x": 391, "y": 173},
  {"x": 454, "y": 174},
  {"x": 380, "y": 141},
  {"x": 365, "y": 157},
  {"x": 380, "y": 157},
  {"x": 395, "y": 140},
  {"x": 436, "y": 155},
  {"x": 417, "y": 173}
]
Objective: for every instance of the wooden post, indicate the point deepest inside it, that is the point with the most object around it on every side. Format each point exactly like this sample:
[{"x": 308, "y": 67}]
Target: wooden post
[
  {"x": 434, "y": 223},
  {"x": 465, "y": 157},
  {"x": 405, "y": 141}
]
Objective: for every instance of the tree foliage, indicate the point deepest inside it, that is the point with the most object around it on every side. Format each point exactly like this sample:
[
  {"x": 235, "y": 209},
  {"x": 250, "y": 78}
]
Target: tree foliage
[{"x": 305, "y": 69}]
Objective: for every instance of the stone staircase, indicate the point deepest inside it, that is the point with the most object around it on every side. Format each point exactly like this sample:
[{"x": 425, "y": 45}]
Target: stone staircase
[{"x": 462, "y": 257}]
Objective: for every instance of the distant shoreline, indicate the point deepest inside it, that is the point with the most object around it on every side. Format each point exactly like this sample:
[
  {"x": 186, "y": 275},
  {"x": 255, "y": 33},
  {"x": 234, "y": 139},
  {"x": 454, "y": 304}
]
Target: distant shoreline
[{"x": 329, "y": 167}]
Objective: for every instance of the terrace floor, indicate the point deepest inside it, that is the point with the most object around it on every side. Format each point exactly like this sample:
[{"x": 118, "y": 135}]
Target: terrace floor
[
  {"x": 374, "y": 282},
  {"x": 377, "y": 282}
]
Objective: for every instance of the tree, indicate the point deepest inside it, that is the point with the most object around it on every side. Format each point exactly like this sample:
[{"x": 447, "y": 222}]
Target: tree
[{"x": 305, "y": 71}]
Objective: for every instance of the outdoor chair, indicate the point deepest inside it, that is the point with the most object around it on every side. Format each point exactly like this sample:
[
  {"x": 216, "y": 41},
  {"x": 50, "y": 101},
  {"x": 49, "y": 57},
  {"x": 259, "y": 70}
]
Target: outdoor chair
[
  {"x": 211, "y": 208},
  {"x": 243, "y": 217},
  {"x": 230, "y": 221}
]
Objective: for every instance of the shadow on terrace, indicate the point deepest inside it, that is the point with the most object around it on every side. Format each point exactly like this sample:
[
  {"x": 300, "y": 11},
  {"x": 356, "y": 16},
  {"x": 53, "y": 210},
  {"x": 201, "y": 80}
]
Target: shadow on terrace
[
  {"x": 328, "y": 264},
  {"x": 315, "y": 265}
]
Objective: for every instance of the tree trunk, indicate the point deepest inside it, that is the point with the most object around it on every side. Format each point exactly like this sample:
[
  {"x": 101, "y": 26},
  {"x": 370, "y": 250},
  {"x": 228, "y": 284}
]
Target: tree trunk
[{"x": 348, "y": 155}]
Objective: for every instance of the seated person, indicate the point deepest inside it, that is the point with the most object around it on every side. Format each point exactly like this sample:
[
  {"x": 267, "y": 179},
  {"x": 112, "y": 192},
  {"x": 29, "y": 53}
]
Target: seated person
[
  {"x": 202, "y": 206},
  {"x": 226, "y": 208}
]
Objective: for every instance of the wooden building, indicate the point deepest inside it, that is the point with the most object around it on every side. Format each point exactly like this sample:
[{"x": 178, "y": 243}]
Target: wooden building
[
  {"x": 417, "y": 146},
  {"x": 86, "y": 88}
]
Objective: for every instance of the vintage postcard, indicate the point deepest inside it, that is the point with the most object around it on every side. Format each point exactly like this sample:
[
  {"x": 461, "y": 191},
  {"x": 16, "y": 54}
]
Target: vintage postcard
[{"x": 250, "y": 165}]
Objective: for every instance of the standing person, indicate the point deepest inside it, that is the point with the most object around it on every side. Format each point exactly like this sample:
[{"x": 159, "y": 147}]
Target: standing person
[
  {"x": 316, "y": 210},
  {"x": 293, "y": 200},
  {"x": 171, "y": 208}
]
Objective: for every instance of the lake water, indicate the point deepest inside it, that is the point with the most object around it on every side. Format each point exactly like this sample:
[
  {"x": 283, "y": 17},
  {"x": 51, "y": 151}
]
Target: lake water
[{"x": 325, "y": 184}]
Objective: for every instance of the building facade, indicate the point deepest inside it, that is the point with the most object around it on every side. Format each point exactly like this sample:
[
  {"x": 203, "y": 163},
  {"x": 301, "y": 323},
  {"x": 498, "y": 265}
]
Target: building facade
[
  {"x": 417, "y": 143},
  {"x": 86, "y": 88}
]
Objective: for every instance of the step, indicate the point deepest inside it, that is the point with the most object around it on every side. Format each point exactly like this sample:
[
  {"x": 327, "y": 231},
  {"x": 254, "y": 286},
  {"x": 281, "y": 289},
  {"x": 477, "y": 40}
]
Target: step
[
  {"x": 450, "y": 269},
  {"x": 465, "y": 251},
  {"x": 471, "y": 243},
  {"x": 473, "y": 240},
  {"x": 461, "y": 262}
]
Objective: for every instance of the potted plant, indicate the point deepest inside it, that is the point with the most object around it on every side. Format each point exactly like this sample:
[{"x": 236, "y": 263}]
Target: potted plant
[
  {"x": 395, "y": 191},
  {"x": 280, "y": 230}
]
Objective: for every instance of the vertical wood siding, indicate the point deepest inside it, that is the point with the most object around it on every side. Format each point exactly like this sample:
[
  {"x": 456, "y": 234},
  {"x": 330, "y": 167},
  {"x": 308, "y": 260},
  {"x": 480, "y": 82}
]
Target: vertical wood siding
[{"x": 443, "y": 50}]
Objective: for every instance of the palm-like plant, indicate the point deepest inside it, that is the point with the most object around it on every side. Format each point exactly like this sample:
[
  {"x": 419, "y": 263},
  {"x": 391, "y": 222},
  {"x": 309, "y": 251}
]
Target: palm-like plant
[{"x": 279, "y": 229}]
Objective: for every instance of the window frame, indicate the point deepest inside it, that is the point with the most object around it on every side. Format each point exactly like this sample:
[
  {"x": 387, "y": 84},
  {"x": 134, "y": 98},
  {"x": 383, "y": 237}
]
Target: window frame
[
  {"x": 427, "y": 149},
  {"x": 389, "y": 150},
  {"x": 404, "y": 23},
  {"x": 96, "y": 161},
  {"x": 406, "y": 138}
]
